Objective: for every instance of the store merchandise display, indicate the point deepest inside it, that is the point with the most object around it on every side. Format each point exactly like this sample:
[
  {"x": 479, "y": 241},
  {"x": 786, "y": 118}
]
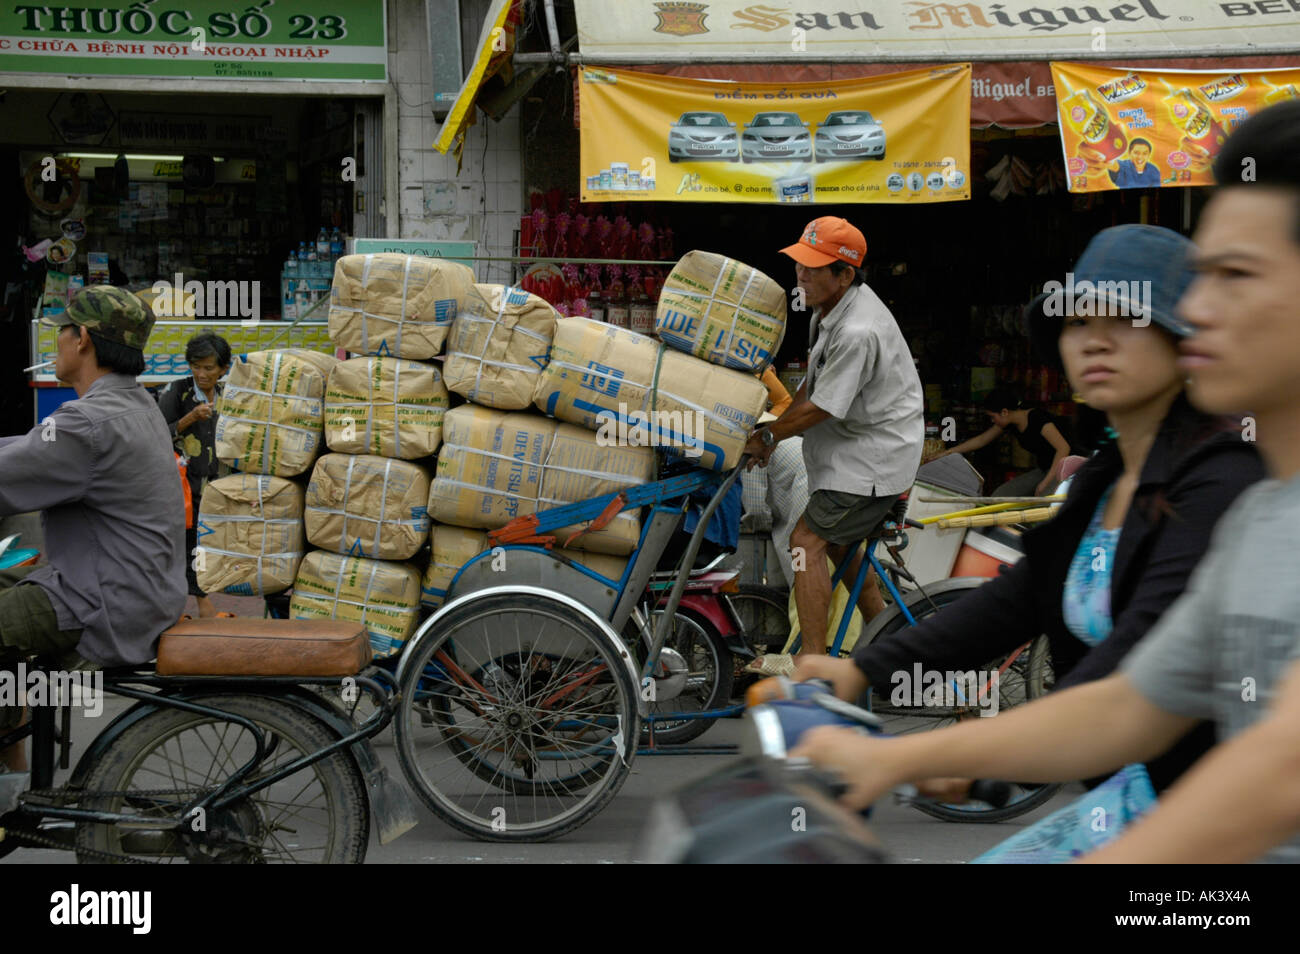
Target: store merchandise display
[{"x": 305, "y": 278}]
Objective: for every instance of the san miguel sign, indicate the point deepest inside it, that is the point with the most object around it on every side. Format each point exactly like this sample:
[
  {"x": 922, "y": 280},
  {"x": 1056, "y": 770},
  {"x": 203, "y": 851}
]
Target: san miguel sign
[{"x": 864, "y": 30}]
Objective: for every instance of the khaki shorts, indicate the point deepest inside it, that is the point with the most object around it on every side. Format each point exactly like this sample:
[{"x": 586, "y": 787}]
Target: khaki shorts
[
  {"x": 28, "y": 625},
  {"x": 843, "y": 518}
]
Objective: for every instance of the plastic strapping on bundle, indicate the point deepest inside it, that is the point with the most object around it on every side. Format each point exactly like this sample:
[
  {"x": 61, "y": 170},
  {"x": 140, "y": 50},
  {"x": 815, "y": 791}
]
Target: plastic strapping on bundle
[
  {"x": 383, "y": 503},
  {"x": 347, "y": 490},
  {"x": 406, "y": 279},
  {"x": 487, "y": 340},
  {"x": 397, "y": 387},
  {"x": 365, "y": 282},
  {"x": 545, "y": 464},
  {"x": 729, "y": 344},
  {"x": 365, "y": 600},
  {"x": 266, "y": 438},
  {"x": 370, "y": 376}
]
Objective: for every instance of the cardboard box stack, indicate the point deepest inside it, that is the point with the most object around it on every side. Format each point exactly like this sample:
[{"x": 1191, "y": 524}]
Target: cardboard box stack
[
  {"x": 250, "y": 535},
  {"x": 383, "y": 596},
  {"x": 392, "y": 407}
]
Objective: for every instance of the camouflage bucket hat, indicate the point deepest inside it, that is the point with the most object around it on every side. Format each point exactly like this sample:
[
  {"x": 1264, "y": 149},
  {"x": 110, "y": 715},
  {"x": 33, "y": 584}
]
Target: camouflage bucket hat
[{"x": 112, "y": 313}]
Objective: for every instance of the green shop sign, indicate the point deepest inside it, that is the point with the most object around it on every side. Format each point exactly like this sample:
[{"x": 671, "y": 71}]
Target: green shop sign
[{"x": 321, "y": 40}]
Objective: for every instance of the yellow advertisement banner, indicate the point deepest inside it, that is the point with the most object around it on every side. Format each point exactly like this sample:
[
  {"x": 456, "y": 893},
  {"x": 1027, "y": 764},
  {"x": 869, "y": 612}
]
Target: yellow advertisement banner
[
  {"x": 899, "y": 138},
  {"x": 1128, "y": 129}
]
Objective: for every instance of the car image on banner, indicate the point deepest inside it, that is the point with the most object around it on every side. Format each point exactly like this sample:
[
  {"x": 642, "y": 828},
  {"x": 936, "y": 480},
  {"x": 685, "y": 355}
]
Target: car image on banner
[
  {"x": 701, "y": 135},
  {"x": 849, "y": 134},
  {"x": 776, "y": 136}
]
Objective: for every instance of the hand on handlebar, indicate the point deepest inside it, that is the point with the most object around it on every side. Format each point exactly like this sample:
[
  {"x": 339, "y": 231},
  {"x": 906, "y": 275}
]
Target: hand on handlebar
[
  {"x": 858, "y": 760},
  {"x": 846, "y": 678}
]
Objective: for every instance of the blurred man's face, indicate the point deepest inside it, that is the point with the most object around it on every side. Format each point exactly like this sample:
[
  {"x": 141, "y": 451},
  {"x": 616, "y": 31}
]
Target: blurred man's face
[
  {"x": 1140, "y": 155},
  {"x": 1245, "y": 303}
]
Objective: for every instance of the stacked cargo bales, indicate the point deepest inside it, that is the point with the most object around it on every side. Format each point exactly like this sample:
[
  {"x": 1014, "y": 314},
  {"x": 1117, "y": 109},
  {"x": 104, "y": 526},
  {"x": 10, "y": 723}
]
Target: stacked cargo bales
[
  {"x": 498, "y": 346},
  {"x": 271, "y": 414},
  {"x": 630, "y": 387},
  {"x": 453, "y": 547},
  {"x": 381, "y": 595},
  {"x": 400, "y": 306},
  {"x": 495, "y": 466},
  {"x": 365, "y": 506},
  {"x": 722, "y": 311},
  {"x": 391, "y": 407},
  {"x": 250, "y": 535}
]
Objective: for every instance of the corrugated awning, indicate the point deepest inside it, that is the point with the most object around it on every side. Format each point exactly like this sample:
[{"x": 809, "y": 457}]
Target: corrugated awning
[{"x": 867, "y": 31}]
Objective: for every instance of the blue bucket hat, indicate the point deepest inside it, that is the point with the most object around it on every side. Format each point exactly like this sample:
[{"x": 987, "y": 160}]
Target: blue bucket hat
[{"x": 1133, "y": 272}]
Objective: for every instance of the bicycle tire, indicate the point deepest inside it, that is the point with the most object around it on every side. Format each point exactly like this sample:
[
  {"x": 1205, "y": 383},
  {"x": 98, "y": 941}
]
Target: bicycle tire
[
  {"x": 764, "y": 615},
  {"x": 711, "y": 668},
  {"x": 342, "y": 824},
  {"x": 584, "y": 733},
  {"x": 1031, "y": 679}
]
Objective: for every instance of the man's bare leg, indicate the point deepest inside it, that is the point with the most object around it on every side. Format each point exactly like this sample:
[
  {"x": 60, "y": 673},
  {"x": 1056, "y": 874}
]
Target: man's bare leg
[
  {"x": 812, "y": 588},
  {"x": 870, "y": 602}
]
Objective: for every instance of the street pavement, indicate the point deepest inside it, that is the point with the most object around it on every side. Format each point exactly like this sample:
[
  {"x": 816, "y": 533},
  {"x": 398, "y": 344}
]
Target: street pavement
[{"x": 611, "y": 837}]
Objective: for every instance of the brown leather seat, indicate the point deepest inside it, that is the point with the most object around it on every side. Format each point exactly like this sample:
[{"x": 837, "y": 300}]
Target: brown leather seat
[{"x": 263, "y": 647}]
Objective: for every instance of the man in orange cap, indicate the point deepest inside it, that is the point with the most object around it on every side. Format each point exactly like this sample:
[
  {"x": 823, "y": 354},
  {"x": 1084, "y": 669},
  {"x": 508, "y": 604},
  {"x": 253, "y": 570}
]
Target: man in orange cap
[{"x": 859, "y": 411}]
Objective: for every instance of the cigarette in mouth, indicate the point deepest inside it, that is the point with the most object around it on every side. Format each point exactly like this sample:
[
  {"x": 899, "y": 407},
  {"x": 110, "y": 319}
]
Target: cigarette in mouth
[{"x": 37, "y": 367}]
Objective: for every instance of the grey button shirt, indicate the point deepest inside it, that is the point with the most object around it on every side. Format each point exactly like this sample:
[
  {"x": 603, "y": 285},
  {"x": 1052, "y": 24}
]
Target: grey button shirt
[
  {"x": 102, "y": 470},
  {"x": 860, "y": 372}
]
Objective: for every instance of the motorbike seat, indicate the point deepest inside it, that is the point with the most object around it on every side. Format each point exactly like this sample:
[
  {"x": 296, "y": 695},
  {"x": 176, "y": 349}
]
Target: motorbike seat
[{"x": 244, "y": 646}]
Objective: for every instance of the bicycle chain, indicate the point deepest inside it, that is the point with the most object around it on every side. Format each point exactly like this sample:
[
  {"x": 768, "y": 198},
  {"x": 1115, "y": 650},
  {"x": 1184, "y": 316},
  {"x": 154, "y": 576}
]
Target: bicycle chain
[
  {"x": 65, "y": 795},
  {"x": 40, "y": 841}
]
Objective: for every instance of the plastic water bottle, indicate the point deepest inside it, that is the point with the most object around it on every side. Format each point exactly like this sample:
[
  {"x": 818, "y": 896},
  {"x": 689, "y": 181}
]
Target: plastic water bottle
[
  {"x": 336, "y": 245},
  {"x": 322, "y": 243}
]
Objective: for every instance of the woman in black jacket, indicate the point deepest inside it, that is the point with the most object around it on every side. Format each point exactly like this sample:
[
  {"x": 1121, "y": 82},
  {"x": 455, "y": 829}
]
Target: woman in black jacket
[{"x": 1138, "y": 517}]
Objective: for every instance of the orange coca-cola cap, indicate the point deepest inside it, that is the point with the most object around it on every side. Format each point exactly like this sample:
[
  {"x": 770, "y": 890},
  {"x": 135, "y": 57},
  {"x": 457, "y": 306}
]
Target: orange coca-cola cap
[{"x": 826, "y": 240}]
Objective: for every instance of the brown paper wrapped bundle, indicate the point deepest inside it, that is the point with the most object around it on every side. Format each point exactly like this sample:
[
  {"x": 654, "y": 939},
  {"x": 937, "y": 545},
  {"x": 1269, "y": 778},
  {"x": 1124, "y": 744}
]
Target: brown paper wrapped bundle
[
  {"x": 390, "y": 407},
  {"x": 397, "y": 305},
  {"x": 453, "y": 547},
  {"x": 383, "y": 597},
  {"x": 250, "y": 535},
  {"x": 367, "y": 506},
  {"x": 270, "y": 414},
  {"x": 498, "y": 346},
  {"x": 630, "y": 387},
  {"x": 723, "y": 311},
  {"x": 495, "y": 466}
]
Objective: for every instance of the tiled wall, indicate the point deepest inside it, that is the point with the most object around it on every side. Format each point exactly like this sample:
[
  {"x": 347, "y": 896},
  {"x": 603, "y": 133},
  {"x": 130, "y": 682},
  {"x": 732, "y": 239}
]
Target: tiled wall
[{"x": 484, "y": 202}]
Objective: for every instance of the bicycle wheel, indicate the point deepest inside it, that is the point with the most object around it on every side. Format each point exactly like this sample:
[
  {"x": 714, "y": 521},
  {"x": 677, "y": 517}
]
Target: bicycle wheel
[
  {"x": 710, "y": 670},
  {"x": 764, "y": 614},
  {"x": 516, "y": 718},
  {"x": 1022, "y": 676},
  {"x": 318, "y": 814}
]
